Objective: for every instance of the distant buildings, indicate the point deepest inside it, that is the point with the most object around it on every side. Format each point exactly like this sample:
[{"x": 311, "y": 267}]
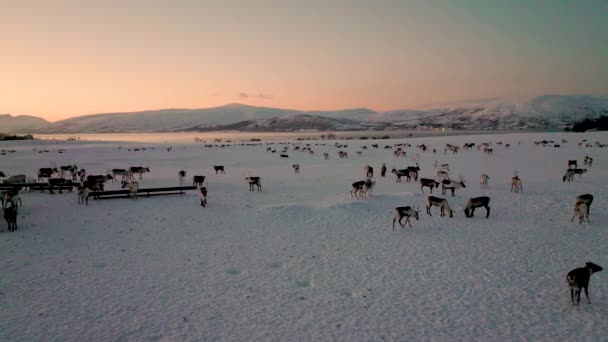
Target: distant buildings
[{"x": 4, "y": 136}]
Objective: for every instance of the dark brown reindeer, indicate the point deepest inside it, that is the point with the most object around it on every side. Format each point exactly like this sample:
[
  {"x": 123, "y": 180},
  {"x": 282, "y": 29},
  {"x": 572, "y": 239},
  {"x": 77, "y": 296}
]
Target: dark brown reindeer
[
  {"x": 579, "y": 278},
  {"x": 10, "y": 215},
  {"x": 219, "y": 168},
  {"x": 138, "y": 169},
  {"x": 477, "y": 202},
  {"x": 181, "y": 175},
  {"x": 253, "y": 182},
  {"x": 198, "y": 180},
  {"x": 427, "y": 182},
  {"x": 400, "y": 173},
  {"x": 439, "y": 202}
]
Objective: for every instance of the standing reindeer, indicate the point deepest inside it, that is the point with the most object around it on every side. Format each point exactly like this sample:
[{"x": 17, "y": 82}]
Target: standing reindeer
[
  {"x": 132, "y": 186},
  {"x": 427, "y": 182},
  {"x": 483, "y": 181},
  {"x": 477, "y": 202},
  {"x": 369, "y": 171},
  {"x": 254, "y": 181},
  {"x": 203, "y": 196},
  {"x": 452, "y": 185},
  {"x": 581, "y": 210},
  {"x": 439, "y": 202},
  {"x": 587, "y": 199},
  {"x": 296, "y": 168},
  {"x": 181, "y": 175},
  {"x": 404, "y": 212},
  {"x": 10, "y": 215},
  {"x": 198, "y": 180},
  {"x": 383, "y": 170},
  {"x": 578, "y": 279},
  {"x": 219, "y": 168},
  {"x": 516, "y": 184}
]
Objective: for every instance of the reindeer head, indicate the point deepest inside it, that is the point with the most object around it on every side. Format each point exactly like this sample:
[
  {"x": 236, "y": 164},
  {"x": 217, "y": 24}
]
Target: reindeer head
[{"x": 593, "y": 267}]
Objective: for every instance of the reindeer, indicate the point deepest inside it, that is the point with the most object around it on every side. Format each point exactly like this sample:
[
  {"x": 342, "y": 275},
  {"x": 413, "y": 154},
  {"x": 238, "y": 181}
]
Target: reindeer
[
  {"x": 181, "y": 175},
  {"x": 400, "y": 173},
  {"x": 83, "y": 195},
  {"x": 10, "y": 215},
  {"x": 67, "y": 168},
  {"x": 58, "y": 182},
  {"x": 451, "y": 185},
  {"x": 383, "y": 170},
  {"x": 296, "y": 168},
  {"x": 357, "y": 188},
  {"x": 198, "y": 181},
  {"x": 124, "y": 173},
  {"x": 82, "y": 173},
  {"x": 368, "y": 187},
  {"x": 11, "y": 196},
  {"x": 516, "y": 184},
  {"x": 427, "y": 182},
  {"x": 442, "y": 175},
  {"x": 579, "y": 172},
  {"x": 369, "y": 171},
  {"x": 572, "y": 163},
  {"x": 587, "y": 199},
  {"x": 578, "y": 279},
  {"x": 97, "y": 181},
  {"x": 203, "y": 196},
  {"x": 46, "y": 172},
  {"x": 219, "y": 168},
  {"x": 483, "y": 181},
  {"x": 439, "y": 202},
  {"x": 132, "y": 186},
  {"x": 404, "y": 212},
  {"x": 140, "y": 170},
  {"x": 581, "y": 210},
  {"x": 254, "y": 181},
  {"x": 477, "y": 202},
  {"x": 326, "y": 156},
  {"x": 568, "y": 176}
]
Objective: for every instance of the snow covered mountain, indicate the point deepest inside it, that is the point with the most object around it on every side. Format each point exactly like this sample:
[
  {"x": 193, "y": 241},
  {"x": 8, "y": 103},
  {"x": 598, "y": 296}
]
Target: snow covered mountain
[
  {"x": 547, "y": 111},
  {"x": 9, "y": 123}
]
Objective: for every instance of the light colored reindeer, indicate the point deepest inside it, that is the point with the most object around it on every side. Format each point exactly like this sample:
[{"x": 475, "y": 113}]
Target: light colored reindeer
[
  {"x": 516, "y": 184},
  {"x": 404, "y": 212},
  {"x": 581, "y": 210},
  {"x": 452, "y": 185},
  {"x": 132, "y": 186},
  {"x": 483, "y": 181}
]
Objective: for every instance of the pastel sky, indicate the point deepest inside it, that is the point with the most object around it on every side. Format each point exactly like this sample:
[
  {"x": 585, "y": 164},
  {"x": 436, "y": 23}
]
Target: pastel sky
[{"x": 67, "y": 58}]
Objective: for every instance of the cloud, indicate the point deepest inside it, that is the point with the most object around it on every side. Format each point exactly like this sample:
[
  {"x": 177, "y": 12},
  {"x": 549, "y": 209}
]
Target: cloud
[{"x": 243, "y": 96}]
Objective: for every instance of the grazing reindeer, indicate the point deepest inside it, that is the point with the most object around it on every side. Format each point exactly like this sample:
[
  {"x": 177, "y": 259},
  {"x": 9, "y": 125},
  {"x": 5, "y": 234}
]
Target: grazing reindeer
[
  {"x": 572, "y": 163},
  {"x": 219, "y": 168},
  {"x": 198, "y": 180},
  {"x": 10, "y": 215},
  {"x": 404, "y": 212},
  {"x": 568, "y": 176},
  {"x": 83, "y": 195},
  {"x": 587, "y": 199},
  {"x": 203, "y": 196},
  {"x": 483, "y": 181},
  {"x": 181, "y": 175},
  {"x": 427, "y": 182},
  {"x": 477, "y": 202},
  {"x": 132, "y": 186},
  {"x": 581, "y": 210},
  {"x": 296, "y": 168},
  {"x": 369, "y": 171},
  {"x": 578, "y": 279},
  {"x": 451, "y": 185},
  {"x": 439, "y": 202},
  {"x": 254, "y": 181},
  {"x": 516, "y": 185}
]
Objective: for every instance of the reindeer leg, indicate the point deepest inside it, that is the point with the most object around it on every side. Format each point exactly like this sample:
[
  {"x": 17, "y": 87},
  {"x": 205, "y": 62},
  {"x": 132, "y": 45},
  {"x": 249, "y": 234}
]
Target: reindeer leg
[
  {"x": 487, "y": 212},
  {"x": 587, "y": 294},
  {"x": 408, "y": 221},
  {"x": 452, "y": 191},
  {"x": 572, "y": 295}
]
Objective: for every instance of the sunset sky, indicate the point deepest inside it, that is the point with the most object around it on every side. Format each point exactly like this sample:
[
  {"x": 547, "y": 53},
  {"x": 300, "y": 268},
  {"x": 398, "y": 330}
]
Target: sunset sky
[{"x": 66, "y": 58}]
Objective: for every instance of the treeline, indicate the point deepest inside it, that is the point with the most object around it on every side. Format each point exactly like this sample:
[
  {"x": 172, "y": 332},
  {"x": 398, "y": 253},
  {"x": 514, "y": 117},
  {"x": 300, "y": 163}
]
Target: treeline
[
  {"x": 15, "y": 137},
  {"x": 601, "y": 124}
]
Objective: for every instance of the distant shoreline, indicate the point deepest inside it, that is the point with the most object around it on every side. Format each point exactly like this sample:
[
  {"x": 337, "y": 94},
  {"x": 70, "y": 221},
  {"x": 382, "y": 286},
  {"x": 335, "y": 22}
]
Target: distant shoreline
[{"x": 236, "y": 136}]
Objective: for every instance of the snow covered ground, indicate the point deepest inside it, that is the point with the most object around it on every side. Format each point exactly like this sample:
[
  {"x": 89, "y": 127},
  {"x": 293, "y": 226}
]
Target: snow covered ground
[{"x": 301, "y": 260}]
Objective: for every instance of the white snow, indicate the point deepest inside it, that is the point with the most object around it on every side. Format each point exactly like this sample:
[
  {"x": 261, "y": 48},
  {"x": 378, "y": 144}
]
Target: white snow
[{"x": 301, "y": 260}]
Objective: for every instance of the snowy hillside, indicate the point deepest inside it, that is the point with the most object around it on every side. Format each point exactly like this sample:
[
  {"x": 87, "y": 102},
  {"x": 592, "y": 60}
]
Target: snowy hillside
[
  {"x": 10, "y": 124},
  {"x": 549, "y": 111}
]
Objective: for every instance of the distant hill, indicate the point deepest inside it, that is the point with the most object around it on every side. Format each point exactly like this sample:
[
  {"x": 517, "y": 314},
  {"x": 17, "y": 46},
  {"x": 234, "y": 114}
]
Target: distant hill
[
  {"x": 547, "y": 111},
  {"x": 10, "y": 124}
]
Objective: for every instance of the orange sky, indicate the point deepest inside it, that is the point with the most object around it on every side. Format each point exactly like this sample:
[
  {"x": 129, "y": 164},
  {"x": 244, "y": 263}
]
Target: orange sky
[{"x": 67, "y": 58}]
